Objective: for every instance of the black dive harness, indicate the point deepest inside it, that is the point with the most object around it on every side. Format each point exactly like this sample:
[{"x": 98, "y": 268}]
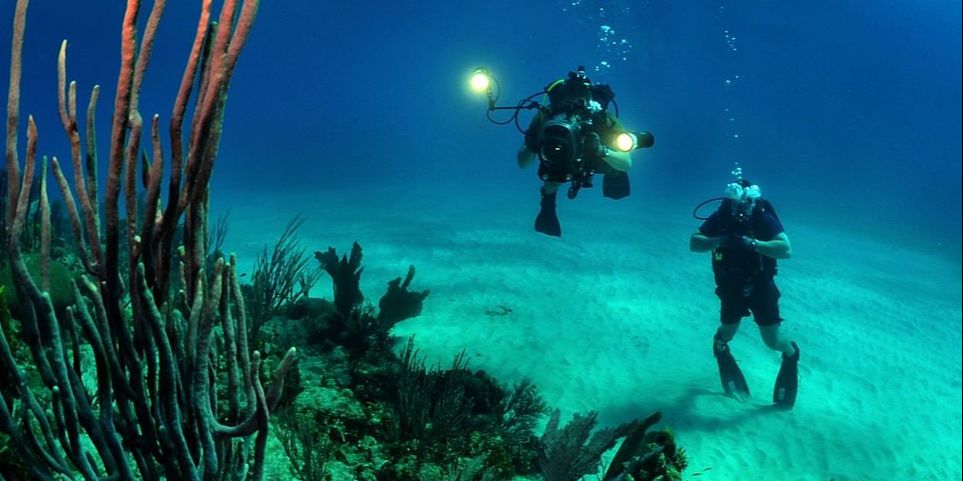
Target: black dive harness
[{"x": 739, "y": 268}]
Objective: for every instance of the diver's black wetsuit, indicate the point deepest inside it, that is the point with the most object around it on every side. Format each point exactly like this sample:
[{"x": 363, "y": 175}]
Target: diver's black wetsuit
[{"x": 744, "y": 278}]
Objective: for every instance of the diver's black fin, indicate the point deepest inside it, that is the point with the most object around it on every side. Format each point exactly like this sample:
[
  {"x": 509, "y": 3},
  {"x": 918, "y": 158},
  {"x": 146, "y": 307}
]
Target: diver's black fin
[
  {"x": 787, "y": 381},
  {"x": 733, "y": 382},
  {"x": 615, "y": 185},
  {"x": 546, "y": 221}
]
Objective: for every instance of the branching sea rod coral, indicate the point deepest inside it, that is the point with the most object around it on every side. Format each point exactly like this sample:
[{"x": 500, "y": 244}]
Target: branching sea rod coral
[{"x": 146, "y": 324}]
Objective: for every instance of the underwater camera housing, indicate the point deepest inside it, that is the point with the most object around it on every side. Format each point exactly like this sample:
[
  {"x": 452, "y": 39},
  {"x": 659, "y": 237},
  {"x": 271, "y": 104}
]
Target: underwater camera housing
[
  {"x": 561, "y": 146},
  {"x": 561, "y": 140},
  {"x": 558, "y": 141}
]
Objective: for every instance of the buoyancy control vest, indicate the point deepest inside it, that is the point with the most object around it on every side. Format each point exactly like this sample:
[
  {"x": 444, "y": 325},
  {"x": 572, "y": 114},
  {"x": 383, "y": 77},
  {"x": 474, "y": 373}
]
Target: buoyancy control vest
[{"x": 739, "y": 267}]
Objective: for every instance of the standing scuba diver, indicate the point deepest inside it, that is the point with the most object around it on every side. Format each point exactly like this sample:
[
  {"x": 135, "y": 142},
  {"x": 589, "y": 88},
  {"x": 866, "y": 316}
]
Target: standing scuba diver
[{"x": 746, "y": 237}]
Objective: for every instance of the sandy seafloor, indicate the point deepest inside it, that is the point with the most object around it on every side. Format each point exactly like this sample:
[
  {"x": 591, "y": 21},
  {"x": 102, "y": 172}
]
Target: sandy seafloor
[{"x": 618, "y": 316}]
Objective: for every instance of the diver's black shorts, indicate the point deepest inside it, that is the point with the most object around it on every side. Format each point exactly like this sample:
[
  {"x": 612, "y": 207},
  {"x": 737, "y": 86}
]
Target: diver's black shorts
[{"x": 760, "y": 299}]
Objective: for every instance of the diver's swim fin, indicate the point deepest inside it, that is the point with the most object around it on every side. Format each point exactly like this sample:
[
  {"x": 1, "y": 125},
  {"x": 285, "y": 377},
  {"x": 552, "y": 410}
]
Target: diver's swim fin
[
  {"x": 615, "y": 185},
  {"x": 787, "y": 381},
  {"x": 546, "y": 221},
  {"x": 733, "y": 382}
]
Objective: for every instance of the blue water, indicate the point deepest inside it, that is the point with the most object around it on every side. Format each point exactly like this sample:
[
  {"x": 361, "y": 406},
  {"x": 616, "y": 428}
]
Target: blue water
[{"x": 847, "y": 113}]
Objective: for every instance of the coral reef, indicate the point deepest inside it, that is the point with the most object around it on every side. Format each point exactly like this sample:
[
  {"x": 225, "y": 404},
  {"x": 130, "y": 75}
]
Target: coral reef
[
  {"x": 355, "y": 326},
  {"x": 647, "y": 455},
  {"x": 281, "y": 278},
  {"x": 346, "y": 277},
  {"x": 399, "y": 303},
  {"x": 132, "y": 357},
  {"x": 574, "y": 451},
  {"x": 376, "y": 413},
  {"x": 162, "y": 402}
]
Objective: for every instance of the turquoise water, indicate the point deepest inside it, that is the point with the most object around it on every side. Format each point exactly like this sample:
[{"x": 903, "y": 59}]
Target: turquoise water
[
  {"x": 618, "y": 316},
  {"x": 847, "y": 114}
]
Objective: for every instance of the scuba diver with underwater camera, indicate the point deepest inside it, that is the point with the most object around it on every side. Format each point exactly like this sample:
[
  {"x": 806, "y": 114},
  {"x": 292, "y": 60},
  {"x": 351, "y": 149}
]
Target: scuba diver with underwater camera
[{"x": 573, "y": 137}]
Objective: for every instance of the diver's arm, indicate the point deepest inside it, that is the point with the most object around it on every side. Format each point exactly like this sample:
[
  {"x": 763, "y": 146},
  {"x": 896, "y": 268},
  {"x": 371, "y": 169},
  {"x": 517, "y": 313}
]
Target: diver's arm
[
  {"x": 617, "y": 159},
  {"x": 620, "y": 161},
  {"x": 524, "y": 157},
  {"x": 699, "y": 242},
  {"x": 526, "y": 154},
  {"x": 777, "y": 248}
]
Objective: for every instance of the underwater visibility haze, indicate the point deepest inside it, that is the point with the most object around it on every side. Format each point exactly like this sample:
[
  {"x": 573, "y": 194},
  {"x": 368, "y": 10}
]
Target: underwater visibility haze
[{"x": 349, "y": 122}]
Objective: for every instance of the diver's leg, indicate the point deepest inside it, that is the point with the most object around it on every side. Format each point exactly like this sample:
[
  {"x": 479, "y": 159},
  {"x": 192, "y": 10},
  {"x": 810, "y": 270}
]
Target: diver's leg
[
  {"x": 764, "y": 304},
  {"x": 733, "y": 382},
  {"x": 776, "y": 341},
  {"x": 787, "y": 380},
  {"x": 546, "y": 221},
  {"x": 726, "y": 332},
  {"x": 765, "y": 310},
  {"x": 732, "y": 308},
  {"x": 731, "y": 313}
]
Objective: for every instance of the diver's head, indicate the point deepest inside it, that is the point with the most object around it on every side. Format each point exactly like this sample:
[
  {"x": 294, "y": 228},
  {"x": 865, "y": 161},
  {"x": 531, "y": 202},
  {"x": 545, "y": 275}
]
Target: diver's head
[
  {"x": 579, "y": 73},
  {"x": 571, "y": 94},
  {"x": 742, "y": 196}
]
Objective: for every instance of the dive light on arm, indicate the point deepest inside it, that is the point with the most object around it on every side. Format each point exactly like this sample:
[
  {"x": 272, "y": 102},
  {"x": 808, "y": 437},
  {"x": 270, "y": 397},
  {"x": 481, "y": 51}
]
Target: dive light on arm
[{"x": 629, "y": 141}]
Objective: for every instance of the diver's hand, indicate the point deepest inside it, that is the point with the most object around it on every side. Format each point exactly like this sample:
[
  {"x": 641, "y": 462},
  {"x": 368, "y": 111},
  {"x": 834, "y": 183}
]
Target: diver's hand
[
  {"x": 524, "y": 157},
  {"x": 737, "y": 242},
  {"x": 593, "y": 145}
]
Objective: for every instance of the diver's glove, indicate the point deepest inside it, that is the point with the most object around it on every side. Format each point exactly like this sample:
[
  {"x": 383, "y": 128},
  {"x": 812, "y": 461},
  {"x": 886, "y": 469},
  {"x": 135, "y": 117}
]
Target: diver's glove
[{"x": 738, "y": 242}]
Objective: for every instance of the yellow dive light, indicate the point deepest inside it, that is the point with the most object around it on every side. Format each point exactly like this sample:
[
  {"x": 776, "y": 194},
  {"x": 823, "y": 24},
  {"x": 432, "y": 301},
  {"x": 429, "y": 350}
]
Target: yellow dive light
[
  {"x": 629, "y": 141},
  {"x": 625, "y": 142},
  {"x": 480, "y": 80}
]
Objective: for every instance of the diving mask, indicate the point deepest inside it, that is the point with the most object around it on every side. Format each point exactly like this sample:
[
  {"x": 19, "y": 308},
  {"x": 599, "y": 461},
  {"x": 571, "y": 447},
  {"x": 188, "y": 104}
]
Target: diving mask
[{"x": 743, "y": 196}]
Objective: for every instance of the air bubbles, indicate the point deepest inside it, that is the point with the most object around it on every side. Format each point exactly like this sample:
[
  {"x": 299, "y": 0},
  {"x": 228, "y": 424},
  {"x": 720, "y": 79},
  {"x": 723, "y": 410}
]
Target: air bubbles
[
  {"x": 571, "y": 5},
  {"x": 730, "y": 41},
  {"x": 730, "y": 84},
  {"x": 611, "y": 46},
  {"x": 614, "y": 29}
]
